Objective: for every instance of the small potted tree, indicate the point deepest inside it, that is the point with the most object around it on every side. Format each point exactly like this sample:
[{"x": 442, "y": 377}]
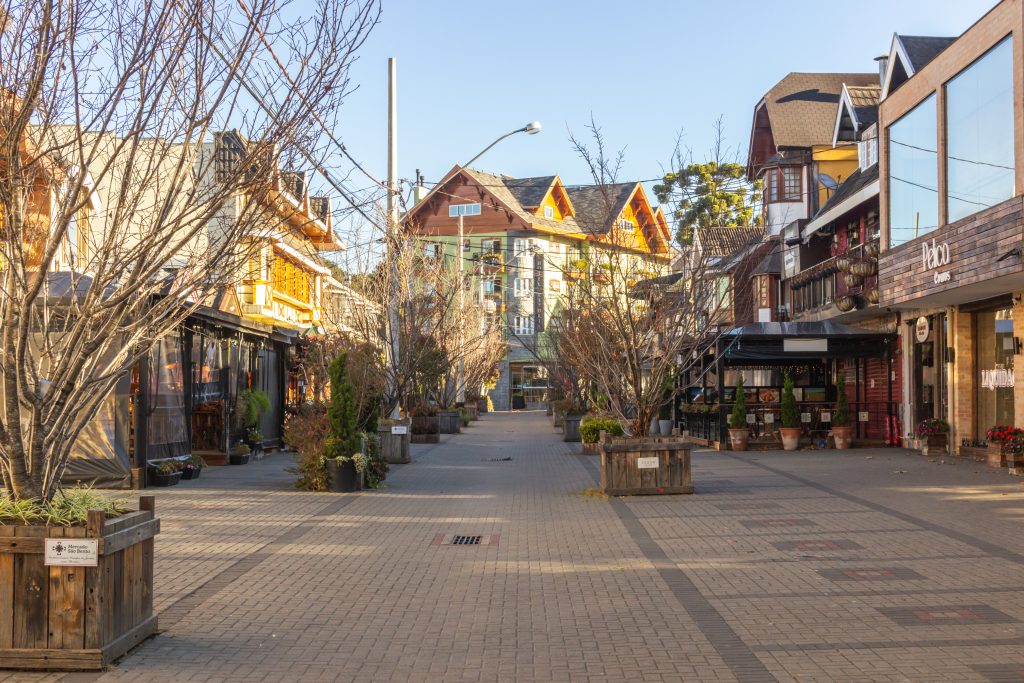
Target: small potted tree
[
  {"x": 192, "y": 467},
  {"x": 842, "y": 430},
  {"x": 790, "y": 429},
  {"x": 571, "y": 422},
  {"x": 343, "y": 449},
  {"x": 739, "y": 431}
]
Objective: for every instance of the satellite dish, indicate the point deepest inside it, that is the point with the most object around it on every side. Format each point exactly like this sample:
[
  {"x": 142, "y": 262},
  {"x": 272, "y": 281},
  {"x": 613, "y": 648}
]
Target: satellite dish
[{"x": 828, "y": 181}]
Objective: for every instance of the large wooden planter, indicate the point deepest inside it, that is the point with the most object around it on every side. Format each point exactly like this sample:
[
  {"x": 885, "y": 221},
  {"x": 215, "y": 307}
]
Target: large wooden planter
[
  {"x": 472, "y": 411},
  {"x": 394, "y": 448},
  {"x": 626, "y": 465},
  {"x": 935, "y": 444},
  {"x": 481, "y": 405},
  {"x": 590, "y": 448},
  {"x": 449, "y": 421},
  {"x": 996, "y": 454},
  {"x": 77, "y": 618},
  {"x": 559, "y": 419}
]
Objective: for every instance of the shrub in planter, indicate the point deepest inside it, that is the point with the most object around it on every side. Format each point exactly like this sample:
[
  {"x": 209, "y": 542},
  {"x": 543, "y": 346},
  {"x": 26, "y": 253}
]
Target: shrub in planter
[
  {"x": 342, "y": 449},
  {"x": 1000, "y": 439},
  {"x": 842, "y": 430},
  {"x": 790, "y": 415},
  {"x": 591, "y": 428},
  {"x": 305, "y": 432},
  {"x": 739, "y": 431},
  {"x": 254, "y": 437},
  {"x": 239, "y": 454},
  {"x": 75, "y": 617},
  {"x": 376, "y": 468},
  {"x": 248, "y": 410},
  {"x": 345, "y": 473}
]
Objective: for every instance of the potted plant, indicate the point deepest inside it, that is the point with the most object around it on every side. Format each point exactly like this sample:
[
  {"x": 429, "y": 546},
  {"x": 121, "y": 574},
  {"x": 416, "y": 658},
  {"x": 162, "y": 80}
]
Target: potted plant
[
  {"x": 571, "y": 422},
  {"x": 192, "y": 467},
  {"x": 739, "y": 431},
  {"x": 426, "y": 425},
  {"x": 1000, "y": 439},
  {"x": 790, "y": 415},
  {"x": 166, "y": 473},
  {"x": 842, "y": 430},
  {"x": 239, "y": 454},
  {"x": 250, "y": 407},
  {"x": 254, "y": 437},
  {"x": 376, "y": 468},
  {"x": 394, "y": 443},
  {"x": 343, "y": 448},
  {"x": 934, "y": 436}
]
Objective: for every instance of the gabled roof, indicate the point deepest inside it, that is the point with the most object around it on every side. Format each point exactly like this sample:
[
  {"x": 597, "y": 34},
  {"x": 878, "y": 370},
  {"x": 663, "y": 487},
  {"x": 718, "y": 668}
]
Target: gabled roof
[
  {"x": 801, "y": 107},
  {"x": 908, "y": 55},
  {"x": 598, "y": 207},
  {"x": 858, "y": 109},
  {"x": 860, "y": 186},
  {"x": 498, "y": 186},
  {"x": 530, "y": 192},
  {"x": 771, "y": 264}
]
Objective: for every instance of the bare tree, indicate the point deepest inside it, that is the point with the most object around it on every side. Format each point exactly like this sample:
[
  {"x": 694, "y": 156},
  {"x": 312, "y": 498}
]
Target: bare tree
[
  {"x": 120, "y": 213},
  {"x": 624, "y": 328}
]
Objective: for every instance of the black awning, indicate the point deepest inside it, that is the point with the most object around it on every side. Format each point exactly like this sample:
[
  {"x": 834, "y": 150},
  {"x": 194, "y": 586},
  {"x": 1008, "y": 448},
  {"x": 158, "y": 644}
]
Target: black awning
[{"x": 785, "y": 343}]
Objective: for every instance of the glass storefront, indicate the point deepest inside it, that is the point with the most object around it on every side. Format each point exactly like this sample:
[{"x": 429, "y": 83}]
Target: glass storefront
[
  {"x": 994, "y": 347},
  {"x": 913, "y": 174},
  {"x": 529, "y": 386},
  {"x": 979, "y": 133},
  {"x": 930, "y": 396}
]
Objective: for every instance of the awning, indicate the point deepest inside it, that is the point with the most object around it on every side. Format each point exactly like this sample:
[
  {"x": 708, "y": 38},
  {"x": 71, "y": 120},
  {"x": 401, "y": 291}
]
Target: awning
[
  {"x": 784, "y": 343},
  {"x": 300, "y": 257}
]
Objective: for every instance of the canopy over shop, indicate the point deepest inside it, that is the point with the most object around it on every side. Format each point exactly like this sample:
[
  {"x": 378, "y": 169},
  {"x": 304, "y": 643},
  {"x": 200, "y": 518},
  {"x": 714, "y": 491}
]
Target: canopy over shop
[{"x": 812, "y": 353}]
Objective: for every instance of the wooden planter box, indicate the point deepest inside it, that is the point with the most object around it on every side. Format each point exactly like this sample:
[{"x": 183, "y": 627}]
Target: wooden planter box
[
  {"x": 449, "y": 421},
  {"x": 481, "y": 405},
  {"x": 77, "y": 618},
  {"x": 394, "y": 448},
  {"x": 590, "y": 448},
  {"x": 935, "y": 444},
  {"x": 996, "y": 454},
  {"x": 472, "y": 411},
  {"x": 622, "y": 474}
]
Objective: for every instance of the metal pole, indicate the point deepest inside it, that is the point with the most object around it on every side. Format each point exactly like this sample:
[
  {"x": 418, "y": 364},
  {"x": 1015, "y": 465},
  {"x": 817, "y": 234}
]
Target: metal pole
[
  {"x": 460, "y": 384},
  {"x": 394, "y": 235}
]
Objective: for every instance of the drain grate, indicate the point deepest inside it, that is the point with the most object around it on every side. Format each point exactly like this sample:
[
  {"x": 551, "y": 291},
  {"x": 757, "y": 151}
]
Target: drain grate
[
  {"x": 508, "y": 459},
  {"x": 466, "y": 539}
]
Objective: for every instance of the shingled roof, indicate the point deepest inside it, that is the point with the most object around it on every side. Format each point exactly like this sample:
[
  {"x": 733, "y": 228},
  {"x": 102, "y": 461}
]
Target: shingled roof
[
  {"x": 499, "y": 186},
  {"x": 802, "y": 106},
  {"x": 922, "y": 49},
  {"x": 727, "y": 241},
  {"x": 864, "y": 99},
  {"x": 529, "y": 191},
  {"x": 598, "y": 206}
]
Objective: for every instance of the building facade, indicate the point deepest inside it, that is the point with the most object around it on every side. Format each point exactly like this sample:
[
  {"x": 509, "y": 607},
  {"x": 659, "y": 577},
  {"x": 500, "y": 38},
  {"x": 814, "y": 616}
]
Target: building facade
[{"x": 531, "y": 242}]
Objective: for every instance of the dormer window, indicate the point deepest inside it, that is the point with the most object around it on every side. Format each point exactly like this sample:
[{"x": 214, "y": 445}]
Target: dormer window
[
  {"x": 549, "y": 212},
  {"x": 627, "y": 225}
]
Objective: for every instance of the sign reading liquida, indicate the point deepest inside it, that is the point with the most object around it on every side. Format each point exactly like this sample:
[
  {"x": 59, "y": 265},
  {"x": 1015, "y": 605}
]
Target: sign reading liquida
[
  {"x": 999, "y": 378},
  {"x": 934, "y": 256}
]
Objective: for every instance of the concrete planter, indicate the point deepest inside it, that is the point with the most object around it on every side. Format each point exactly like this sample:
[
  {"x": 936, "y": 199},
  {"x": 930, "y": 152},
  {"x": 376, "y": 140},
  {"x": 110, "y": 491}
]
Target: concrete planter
[{"x": 571, "y": 428}]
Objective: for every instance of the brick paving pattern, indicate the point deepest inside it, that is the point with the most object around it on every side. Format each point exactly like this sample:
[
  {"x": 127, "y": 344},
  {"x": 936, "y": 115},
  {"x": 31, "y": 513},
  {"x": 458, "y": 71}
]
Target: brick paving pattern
[{"x": 812, "y": 566}]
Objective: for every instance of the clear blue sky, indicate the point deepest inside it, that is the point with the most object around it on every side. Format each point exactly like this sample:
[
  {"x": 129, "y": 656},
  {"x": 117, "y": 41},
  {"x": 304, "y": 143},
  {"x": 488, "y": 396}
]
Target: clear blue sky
[{"x": 469, "y": 71}]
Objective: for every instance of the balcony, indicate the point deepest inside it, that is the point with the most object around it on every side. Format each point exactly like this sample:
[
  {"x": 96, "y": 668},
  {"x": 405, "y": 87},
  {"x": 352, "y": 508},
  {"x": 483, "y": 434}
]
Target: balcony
[{"x": 491, "y": 262}]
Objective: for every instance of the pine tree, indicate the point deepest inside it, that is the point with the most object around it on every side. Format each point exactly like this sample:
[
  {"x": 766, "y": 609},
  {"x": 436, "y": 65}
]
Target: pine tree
[
  {"x": 842, "y": 416},
  {"x": 790, "y": 414},
  {"x": 341, "y": 413},
  {"x": 738, "y": 419}
]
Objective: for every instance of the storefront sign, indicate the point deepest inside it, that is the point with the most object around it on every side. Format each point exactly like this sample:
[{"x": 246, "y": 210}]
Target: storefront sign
[
  {"x": 647, "y": 463},
  {"x": 922, "y": 329},
  {"x": 999, "y": 378},
  {"x": 934, "y": 256},
  {"x": 71, "y": 552}
]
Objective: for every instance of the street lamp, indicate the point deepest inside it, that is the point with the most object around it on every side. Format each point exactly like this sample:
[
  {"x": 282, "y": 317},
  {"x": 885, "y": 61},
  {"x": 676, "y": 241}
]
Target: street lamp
[{"x": 531, "y": 128}]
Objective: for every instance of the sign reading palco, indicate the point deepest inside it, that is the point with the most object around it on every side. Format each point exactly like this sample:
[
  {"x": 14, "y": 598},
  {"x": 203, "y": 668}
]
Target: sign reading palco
[
  {"x": 1000, "y": 378},
  {"x": 934, "y": 256}
]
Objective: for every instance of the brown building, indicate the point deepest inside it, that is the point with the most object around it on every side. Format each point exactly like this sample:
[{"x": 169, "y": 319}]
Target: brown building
[{"x": 951, "y": 153}]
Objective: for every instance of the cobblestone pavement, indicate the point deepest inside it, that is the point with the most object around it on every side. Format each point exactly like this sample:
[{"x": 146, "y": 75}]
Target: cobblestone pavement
[{"x": 813, "y": 566}]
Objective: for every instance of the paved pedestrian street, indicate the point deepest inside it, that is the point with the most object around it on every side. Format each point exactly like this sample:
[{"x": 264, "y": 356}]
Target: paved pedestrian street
[{"x": 873, "y": 565}]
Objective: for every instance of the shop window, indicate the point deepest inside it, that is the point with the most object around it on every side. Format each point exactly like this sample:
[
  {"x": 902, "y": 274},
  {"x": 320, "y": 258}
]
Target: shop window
[
  {"x": 994, "y": 342},
  {"x": 913, "y": 174},
  {"x": 979, "y": 134}
]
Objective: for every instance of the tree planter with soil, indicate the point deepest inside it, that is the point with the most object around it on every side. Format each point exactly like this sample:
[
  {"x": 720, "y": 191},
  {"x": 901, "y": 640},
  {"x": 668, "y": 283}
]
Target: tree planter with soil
[
  {"x": 239, "y": 455},
  {"x": 739, "y": 431},
  {"x": 842, "y": 430},
  {"x": 449, "y": 421},
  {"x": 651, "y": 465},
  {"x": 426, "y": 426},
  {"x": 344, "y": 475},
  {"x": 593, "y": 429},
  {"x": 790, "y": 429},
  {"x": 77, "y": 618},
  {"x": 471, "y": 411}
]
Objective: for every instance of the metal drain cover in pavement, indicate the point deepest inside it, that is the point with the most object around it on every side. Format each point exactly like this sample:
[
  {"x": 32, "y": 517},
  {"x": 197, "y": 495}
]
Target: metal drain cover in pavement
[{"x": 466, "y": 539}]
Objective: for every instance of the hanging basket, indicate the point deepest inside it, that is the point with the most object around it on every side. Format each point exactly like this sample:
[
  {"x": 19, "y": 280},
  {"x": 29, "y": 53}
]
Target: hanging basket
[
  {"x": 846, "y": 303},
  {"x": 843, "y": 264},
  {"x": 864, "y": 268},
  {"x": 853, "y": 280},
  {"x": 872, "y": 249},
  {"x": 872, "y": 295}
]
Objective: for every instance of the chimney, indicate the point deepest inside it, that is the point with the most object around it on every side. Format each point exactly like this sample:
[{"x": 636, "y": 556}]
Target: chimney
[
  {"x": 883, "y": 64},
  {"x": 419, "y": 191}
]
